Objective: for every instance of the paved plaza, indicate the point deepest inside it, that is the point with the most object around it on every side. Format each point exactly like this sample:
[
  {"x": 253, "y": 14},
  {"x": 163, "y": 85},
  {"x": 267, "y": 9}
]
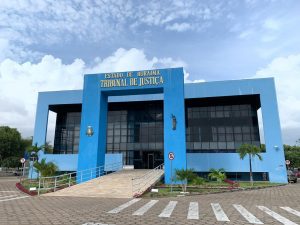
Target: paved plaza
[{"x": 278, "y": 205}]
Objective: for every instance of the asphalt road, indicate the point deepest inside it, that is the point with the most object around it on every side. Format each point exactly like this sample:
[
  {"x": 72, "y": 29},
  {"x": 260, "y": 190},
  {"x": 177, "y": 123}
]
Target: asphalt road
[{"x": 278, "y": 205}]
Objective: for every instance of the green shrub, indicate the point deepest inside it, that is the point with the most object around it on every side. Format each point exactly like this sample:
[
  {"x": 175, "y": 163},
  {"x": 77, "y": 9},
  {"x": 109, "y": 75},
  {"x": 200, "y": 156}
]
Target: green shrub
[
  {"x": 198, "y": 181},
  {"x": 185, "y": 176},
  {"x": 218, "y": 175}
]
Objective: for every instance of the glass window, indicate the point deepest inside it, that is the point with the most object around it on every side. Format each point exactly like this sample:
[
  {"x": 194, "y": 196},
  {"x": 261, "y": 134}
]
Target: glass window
[
  {"x": 226, "y": 127},
  {"x": 136, "y": 126}
]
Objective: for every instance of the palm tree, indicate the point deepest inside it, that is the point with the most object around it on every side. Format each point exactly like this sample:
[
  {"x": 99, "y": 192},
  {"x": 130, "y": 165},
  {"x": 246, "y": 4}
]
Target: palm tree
[
  {"x": 252, "y": 151},
  {"x": 185, "y": 176},
  {"x": 33, "y": 151},
  {"x": 45, "y": 169},
  {"x": 219, "y": 174}
]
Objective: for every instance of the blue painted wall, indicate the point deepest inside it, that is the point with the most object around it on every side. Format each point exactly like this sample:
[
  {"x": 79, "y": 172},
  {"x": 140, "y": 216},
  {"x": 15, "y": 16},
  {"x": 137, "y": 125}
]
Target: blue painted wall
[
  {"x": 273, "y": 159},
  {"x": 96, "y": 90}
]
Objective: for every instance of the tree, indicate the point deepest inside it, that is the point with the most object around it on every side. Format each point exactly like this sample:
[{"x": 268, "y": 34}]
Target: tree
[
  {"x": 185, "y": 176},
  {"x": 292, "y": 153},
  {"x": 25, "y": 144},
  {"x": 219, "y": 174},
  {"x": 10, "y": 140},
  {"x": 45, "y": 169},
  {"x": 33, "y": 150},
  {"x": 48, "y": 149},
  {"x": 251, "y": 151},
  {"x": 11, "y": 162}
]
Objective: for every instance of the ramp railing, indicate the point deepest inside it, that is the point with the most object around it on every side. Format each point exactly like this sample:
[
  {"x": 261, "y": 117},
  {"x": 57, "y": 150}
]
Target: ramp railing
[
  {"x": 54, "y": 183},
  {"x": 143, "y": 183}
]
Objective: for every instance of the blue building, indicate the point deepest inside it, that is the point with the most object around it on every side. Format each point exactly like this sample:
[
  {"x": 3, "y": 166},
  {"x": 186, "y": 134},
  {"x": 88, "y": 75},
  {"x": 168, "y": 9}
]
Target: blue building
[{"x": 143, "y": 116}]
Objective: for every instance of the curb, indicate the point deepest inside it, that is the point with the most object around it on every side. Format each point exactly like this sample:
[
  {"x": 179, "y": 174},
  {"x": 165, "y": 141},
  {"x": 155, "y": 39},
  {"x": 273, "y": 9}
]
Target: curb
[{"x": 21, "y": 188}]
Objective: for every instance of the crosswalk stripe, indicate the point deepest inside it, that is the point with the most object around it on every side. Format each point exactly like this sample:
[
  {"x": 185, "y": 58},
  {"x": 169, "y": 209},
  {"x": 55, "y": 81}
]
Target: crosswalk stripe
[
  {"x": 247, "y": 215},
  {"x": 168, "y": 209},
  {"x": 276, "y": 216},
  {"x": 141, "y": 211},
  {"x": 124, "y": 206},
  {"x": 193, "y": 213},
  {"x": 219, "y": 213},
  {"x": 290, "y": 210},
  {"x": 5, "y": 200},
  {"x": 8, "y": 196}
]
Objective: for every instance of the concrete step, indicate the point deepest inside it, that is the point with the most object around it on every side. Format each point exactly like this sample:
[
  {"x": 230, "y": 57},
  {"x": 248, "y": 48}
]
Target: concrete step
[{"x": 114, "y": 185}]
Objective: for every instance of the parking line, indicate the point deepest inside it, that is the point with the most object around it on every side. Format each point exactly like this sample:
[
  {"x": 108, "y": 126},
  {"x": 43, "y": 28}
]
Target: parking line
[
  {"x": 168, "y": 209},
  {"x": 141, "y": 211},
  {"x": 247, "y": 215},
  {"x": 124, "y": 206},
  {"x": 290, "y": 210},
  {"x": 276, "y": 216},
  {"x": 193, "y": 213},
  {"x": 5, "y": 200},
  {"x": 219, "y": 213}
]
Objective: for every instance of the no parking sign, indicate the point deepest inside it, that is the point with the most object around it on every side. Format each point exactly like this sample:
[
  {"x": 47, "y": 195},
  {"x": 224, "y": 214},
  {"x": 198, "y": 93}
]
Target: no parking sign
[{"x": 171, "y": 156}]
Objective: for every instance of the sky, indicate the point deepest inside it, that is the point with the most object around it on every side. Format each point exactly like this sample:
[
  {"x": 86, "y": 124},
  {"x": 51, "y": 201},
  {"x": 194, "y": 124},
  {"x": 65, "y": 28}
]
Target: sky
[{"x": 49, "y": 45}]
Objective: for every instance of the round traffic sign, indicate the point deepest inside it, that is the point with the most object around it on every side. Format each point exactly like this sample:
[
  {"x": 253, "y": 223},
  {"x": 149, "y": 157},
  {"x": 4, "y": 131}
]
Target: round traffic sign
[
  {"x": 171, "y": 155},
  {"x": 287, "y": 162},
  {"x": 22, "y": 160}
]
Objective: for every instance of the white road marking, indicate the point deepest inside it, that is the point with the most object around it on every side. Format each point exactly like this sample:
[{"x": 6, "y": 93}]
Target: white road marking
[
  {"x": 141, "y": 211},
  {"x": 247, "y": 215},
  {"x": 276, "y": 216},
  {"x": 193, "y": 213},
  {"x": 168, "y": 209},
  {"x": 219, "y": 213},
  {"x": 5, "y": 200},
  {"x": 290, "y": 210},
  {"x": 124, "y": 206},
  {"x": 8, "y": 196},
  {"x": 89, "y": 223}
]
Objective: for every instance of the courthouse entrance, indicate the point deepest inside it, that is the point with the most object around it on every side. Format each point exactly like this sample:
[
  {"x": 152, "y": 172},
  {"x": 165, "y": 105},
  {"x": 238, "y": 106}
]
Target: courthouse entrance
[
  {"x": 151, "y": 149},
  {"x": 135, "y": 129}
]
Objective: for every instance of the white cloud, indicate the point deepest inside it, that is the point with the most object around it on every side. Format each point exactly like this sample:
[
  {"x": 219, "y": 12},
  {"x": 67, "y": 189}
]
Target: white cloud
[
  {"x": 286, "y": 71},
  {"x": 187, "y": 78},
  {"x": 246, "y": 34},
  {"x": 20, "y": 83},
  {"x": 30, "y": 23},
  {"x": 180, "y": 27},
  {"x": 271, "y": 24}
]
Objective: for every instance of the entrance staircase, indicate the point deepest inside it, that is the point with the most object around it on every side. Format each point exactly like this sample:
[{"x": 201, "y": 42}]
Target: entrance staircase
[{"x": 120, "y": 184}]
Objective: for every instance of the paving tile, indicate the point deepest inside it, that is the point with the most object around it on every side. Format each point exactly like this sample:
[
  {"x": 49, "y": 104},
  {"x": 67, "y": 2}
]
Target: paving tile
[{"x": 80, "y": 210}]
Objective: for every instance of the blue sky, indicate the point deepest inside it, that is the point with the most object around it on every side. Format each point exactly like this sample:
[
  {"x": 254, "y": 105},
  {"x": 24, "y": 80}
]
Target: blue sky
[{"x": 49, "y": 45}]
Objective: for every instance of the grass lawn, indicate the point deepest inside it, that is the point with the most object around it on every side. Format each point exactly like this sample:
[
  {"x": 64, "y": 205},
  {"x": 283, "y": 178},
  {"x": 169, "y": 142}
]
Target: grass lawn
[
  {"x": 48, "y": 185},
  {"x": 206, "y": 188}
]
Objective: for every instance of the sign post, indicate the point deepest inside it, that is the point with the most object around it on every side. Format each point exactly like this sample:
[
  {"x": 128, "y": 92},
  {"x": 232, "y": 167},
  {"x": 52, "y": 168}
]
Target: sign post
[
  {"x": 171, "y": 157},
  {"x": 22, "y": 160},
  {"x": 287, "y": 163}
]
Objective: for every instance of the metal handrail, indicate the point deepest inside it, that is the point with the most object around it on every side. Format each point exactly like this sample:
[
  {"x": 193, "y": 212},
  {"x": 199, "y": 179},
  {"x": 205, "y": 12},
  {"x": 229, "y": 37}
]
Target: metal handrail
[
  {"x": 142, "y": 183},
  {"x": 66, "y": 180}
]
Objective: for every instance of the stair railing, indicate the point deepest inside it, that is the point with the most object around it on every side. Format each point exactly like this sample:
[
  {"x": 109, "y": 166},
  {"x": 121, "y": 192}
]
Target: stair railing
[
  {"x": 146, "y": 181},
  {"x": 54, "y": 183}
]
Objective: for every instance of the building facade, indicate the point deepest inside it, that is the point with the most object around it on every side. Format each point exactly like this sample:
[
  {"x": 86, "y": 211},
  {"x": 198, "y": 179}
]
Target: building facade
[{"x": 142, "y": 116}]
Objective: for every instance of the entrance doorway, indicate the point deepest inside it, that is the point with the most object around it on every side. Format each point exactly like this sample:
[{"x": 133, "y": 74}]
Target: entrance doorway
[{"x": 150, "y": 161}]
